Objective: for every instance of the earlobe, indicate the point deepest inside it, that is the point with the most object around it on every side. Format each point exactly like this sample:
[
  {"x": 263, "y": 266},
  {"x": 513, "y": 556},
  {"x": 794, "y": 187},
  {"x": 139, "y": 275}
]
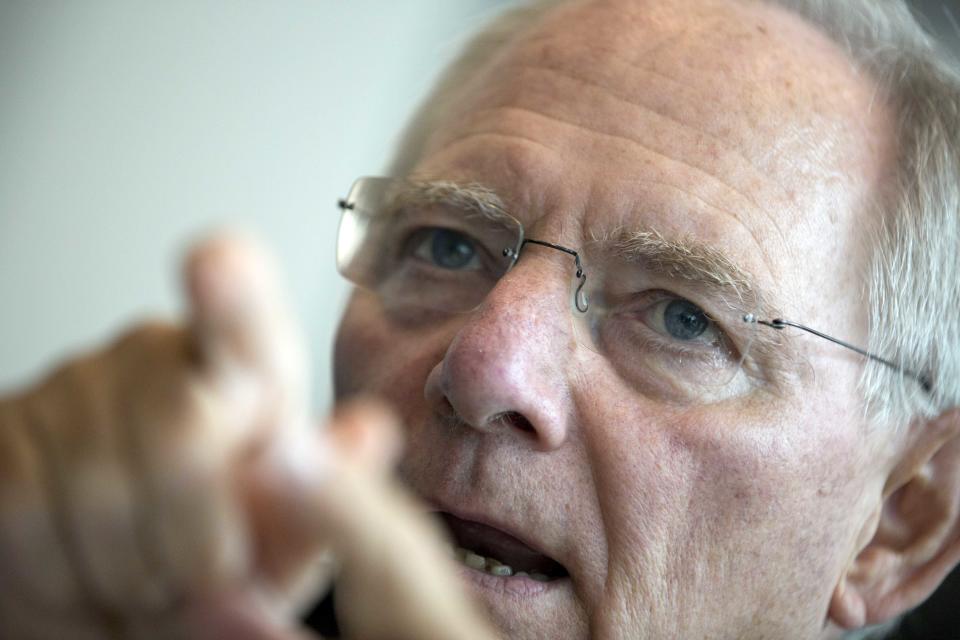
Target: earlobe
[
  {"x": 917, "y": 538},
  {"x": 847, "y": 608}
]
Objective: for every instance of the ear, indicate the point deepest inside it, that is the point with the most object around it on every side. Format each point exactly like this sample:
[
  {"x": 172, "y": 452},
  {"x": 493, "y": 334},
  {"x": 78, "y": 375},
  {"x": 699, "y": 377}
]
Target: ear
[{"x": 917, "y": 540}]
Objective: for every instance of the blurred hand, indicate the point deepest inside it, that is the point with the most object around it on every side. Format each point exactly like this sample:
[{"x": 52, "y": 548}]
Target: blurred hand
[{"x": 172, "y": 486}]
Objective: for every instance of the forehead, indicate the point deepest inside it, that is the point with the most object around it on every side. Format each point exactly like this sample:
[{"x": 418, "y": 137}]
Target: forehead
[{"x": 735, "y": 123}]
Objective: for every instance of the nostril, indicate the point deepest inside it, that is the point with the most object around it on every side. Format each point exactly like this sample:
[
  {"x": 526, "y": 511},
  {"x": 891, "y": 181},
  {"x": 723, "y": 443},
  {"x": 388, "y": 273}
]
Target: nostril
[
  {"x": 517, "y": 420},
  {"x": 445, "y": 407}
]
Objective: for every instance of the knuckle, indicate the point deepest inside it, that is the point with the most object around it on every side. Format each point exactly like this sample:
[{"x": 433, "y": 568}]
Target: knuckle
[{"x": 92, "y": 458}]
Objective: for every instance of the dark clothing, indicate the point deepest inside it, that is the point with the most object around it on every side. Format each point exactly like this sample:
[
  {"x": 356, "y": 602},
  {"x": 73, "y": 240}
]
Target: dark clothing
[
  {"x": 936, "y": 619},
  {"x": 322, "y": 618}
]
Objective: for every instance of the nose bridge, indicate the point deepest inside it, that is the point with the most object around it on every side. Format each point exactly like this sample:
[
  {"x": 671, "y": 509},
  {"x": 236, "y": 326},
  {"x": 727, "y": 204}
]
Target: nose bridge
[
  {"x": 533, "y": 297},
  {"x": 511, "y": 356},
  {"x": 578, "y": 299}
]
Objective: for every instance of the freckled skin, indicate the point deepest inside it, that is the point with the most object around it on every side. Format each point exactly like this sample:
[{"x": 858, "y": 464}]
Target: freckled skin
[{"x": 733, "y": 123}]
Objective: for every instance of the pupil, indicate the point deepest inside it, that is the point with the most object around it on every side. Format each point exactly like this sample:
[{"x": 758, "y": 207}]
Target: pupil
[
  {"x": 685, "y": 320},
  {"x": 451, "y": 250}
]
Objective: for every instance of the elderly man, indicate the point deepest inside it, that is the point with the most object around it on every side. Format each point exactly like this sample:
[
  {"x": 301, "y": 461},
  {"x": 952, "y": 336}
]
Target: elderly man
[{"x": 604, "y": 293}]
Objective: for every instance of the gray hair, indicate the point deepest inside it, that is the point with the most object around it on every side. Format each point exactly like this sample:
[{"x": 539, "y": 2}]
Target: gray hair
[{"x": 913, "y": 284}]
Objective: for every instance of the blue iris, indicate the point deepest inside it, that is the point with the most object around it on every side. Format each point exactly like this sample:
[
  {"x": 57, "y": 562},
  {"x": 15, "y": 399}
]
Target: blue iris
[
  {"x": 451, "y": 250},
  {"x": 684, "y": 320}
]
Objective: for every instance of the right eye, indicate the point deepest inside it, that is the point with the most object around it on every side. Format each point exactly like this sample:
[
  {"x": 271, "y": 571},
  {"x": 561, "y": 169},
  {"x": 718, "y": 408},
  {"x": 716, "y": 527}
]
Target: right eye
[{"x": 446, "y": 249}]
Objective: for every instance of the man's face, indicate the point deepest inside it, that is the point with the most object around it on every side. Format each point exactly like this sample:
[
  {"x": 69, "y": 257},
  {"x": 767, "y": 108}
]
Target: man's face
[{"x": 727, "y": 125}]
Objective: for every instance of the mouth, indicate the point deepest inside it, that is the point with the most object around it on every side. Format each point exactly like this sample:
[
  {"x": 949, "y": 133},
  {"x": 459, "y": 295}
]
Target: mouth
[{"x": 488, "y": 550}]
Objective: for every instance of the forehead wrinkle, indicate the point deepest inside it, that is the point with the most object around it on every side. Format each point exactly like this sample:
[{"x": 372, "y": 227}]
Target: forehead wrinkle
[
  {"x": 635, "y": 103},
  {"x": 700, "y": 171},
  {"x": 512, "y": 136},
  {"x": 497, "y": 134}
]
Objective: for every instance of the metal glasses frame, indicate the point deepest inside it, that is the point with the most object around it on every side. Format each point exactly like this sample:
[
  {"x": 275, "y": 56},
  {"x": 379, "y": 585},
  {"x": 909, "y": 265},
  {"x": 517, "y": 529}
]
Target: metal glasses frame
[
  {"x": 926, "y": 382},
  {"x": 582, "y": 304}
]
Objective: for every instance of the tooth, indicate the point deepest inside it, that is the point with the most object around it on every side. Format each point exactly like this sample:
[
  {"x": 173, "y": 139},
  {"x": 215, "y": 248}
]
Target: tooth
[
  {"x": 539, "y": 577},
  {"x": 497, "y": 568},
  {"x": 474, "y": 561},
  {"x": 522, "y": 574}
]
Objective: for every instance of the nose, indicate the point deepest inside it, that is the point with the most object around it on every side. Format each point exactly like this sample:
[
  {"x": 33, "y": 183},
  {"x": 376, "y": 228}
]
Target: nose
[{"x": 506, "y": 370}]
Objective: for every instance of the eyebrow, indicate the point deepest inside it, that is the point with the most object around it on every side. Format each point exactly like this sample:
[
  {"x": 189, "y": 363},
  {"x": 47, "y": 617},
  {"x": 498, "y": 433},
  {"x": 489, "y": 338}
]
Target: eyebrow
[
  {"x": 472, "y": 197},
  {"x": 683, "y": 259}
]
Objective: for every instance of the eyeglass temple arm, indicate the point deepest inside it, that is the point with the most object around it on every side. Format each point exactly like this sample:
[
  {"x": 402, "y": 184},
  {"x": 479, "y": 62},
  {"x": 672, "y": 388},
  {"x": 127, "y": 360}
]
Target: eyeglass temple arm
[{"x": 780, "y": 324}]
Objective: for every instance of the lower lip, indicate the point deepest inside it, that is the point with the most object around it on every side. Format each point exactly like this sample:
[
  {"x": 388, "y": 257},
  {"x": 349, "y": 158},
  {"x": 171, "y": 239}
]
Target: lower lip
[{"x": 517, "y": 586}]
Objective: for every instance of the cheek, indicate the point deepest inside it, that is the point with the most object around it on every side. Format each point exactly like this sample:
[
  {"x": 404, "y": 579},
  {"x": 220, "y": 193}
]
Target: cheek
[
  {"x": 786, "y": 503},
  {"x": 357, "y": 340},
  {"x": 697, "y": 501},
  {"x": 375, "y": 356}
]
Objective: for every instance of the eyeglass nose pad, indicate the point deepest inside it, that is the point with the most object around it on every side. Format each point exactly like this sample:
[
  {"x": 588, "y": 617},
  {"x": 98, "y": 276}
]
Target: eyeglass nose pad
[
  {"x": 580, "y": 299},
  {"x": 584, "y": 315}
]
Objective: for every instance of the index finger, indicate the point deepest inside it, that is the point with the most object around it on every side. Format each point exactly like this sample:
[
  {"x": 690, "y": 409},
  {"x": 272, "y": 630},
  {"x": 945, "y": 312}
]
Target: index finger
[{"x": 249, "y": 342}]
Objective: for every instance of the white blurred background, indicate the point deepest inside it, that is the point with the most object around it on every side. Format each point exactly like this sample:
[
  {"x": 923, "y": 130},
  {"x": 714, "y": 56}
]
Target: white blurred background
[{"x": 128, "y": 127}]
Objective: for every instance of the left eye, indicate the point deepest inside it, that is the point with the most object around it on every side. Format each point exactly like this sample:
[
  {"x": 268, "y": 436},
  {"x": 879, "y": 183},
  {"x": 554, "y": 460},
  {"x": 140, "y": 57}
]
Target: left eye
[
  {"x": 447, "y": 249},
  {"x": 682, "y": 320}
]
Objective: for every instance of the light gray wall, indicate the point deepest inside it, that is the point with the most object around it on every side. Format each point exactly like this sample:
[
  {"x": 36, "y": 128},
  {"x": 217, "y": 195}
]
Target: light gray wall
[{"x": 128, "y": 127}]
